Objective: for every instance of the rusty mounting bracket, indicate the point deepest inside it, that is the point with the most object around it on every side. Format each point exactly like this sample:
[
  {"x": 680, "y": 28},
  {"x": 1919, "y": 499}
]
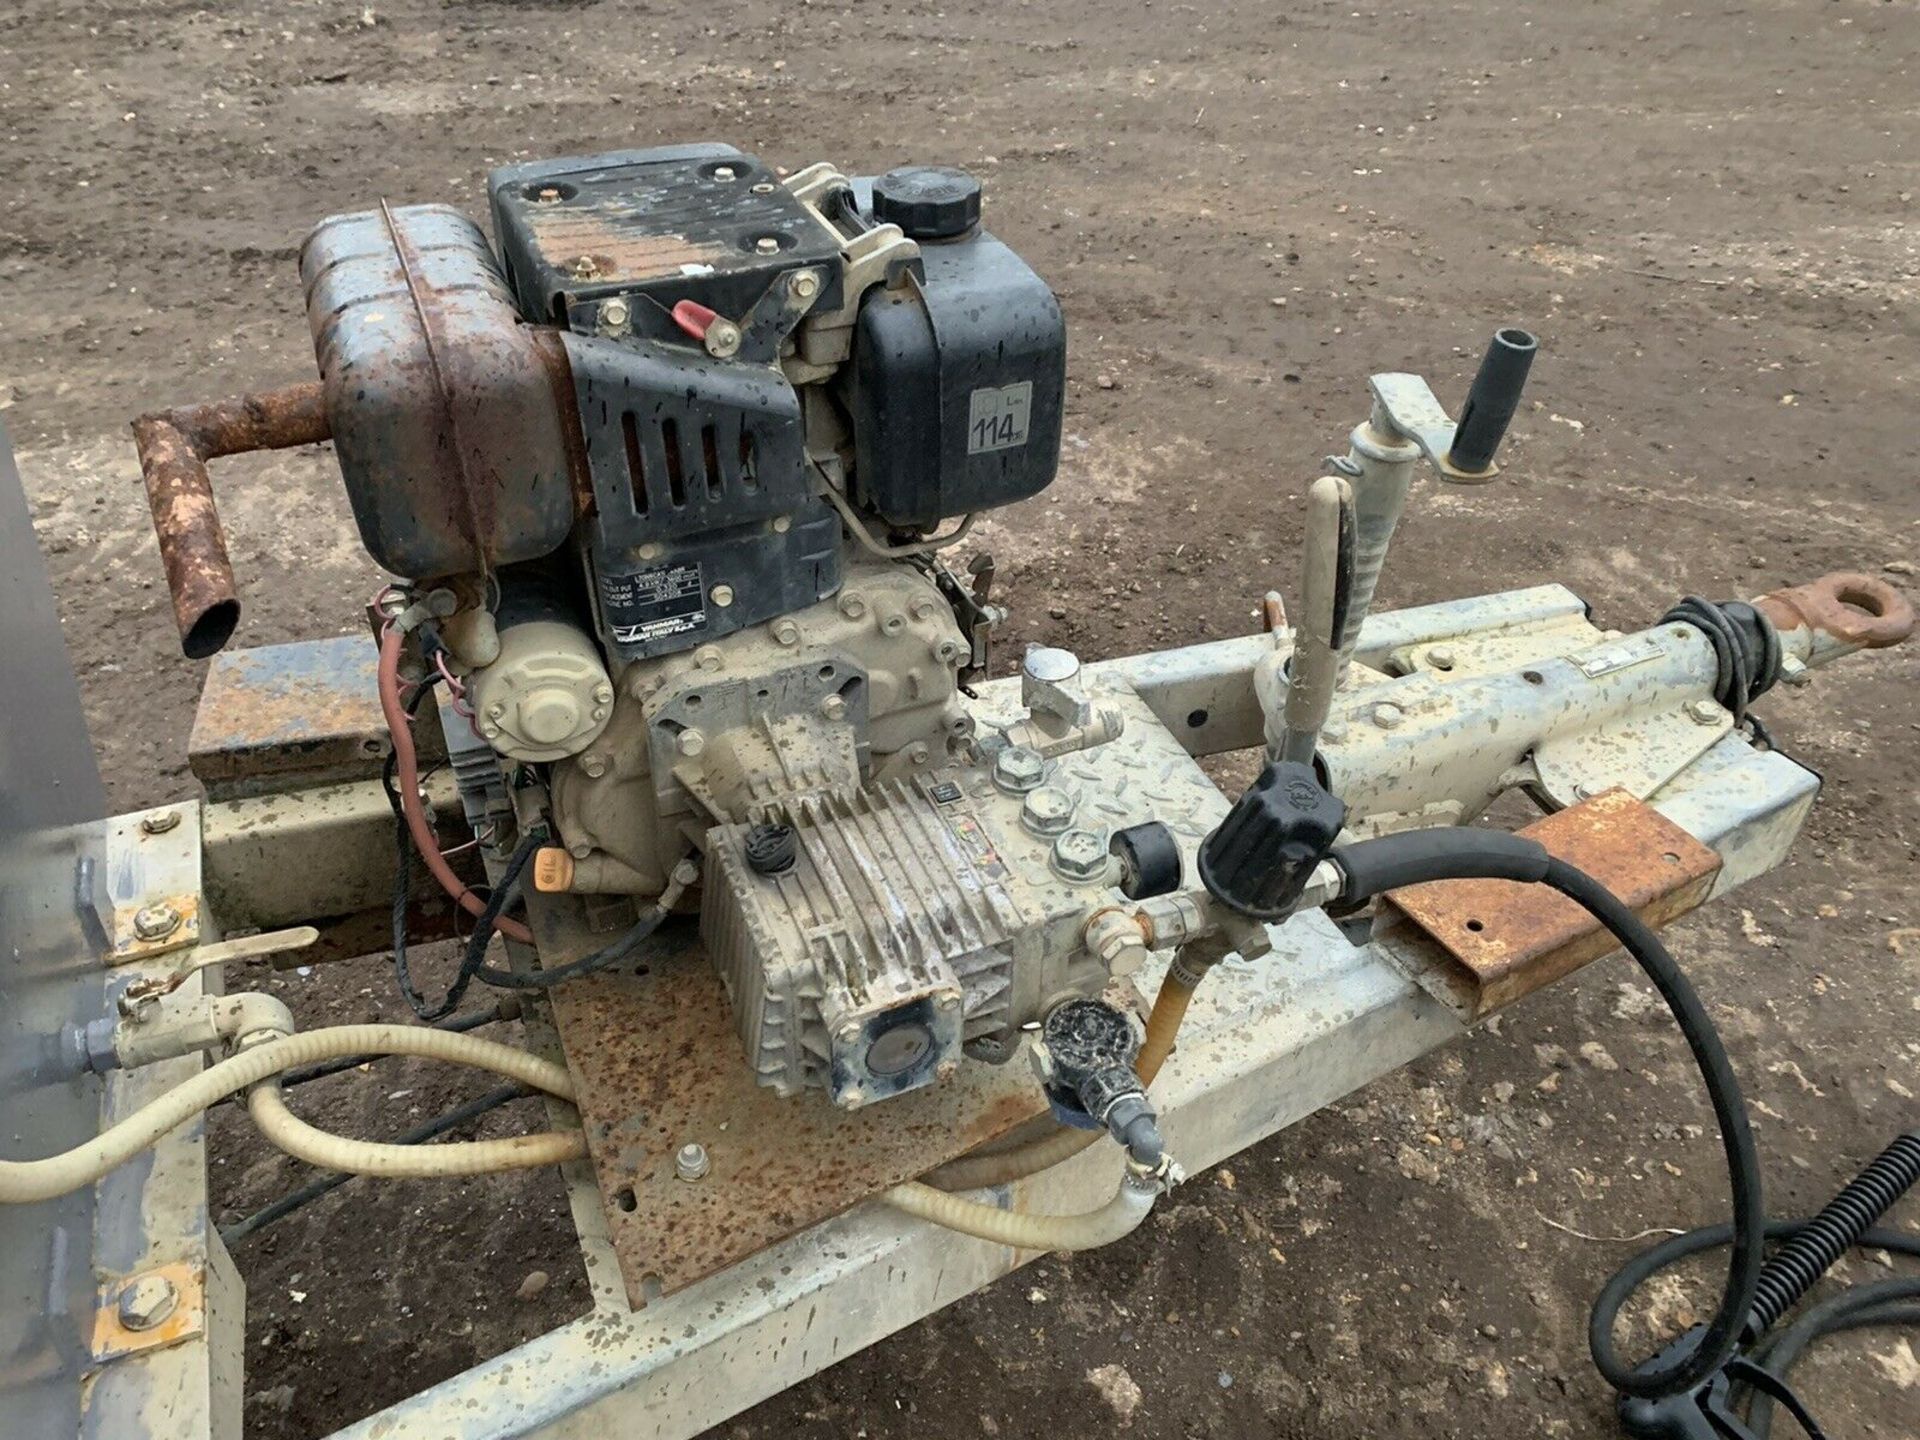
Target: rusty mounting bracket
[{"x": 1497, "y": 940}]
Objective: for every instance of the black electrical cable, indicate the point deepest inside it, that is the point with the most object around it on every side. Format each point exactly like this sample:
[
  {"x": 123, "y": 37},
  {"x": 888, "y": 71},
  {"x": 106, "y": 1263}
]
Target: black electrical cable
[
  {"x": 1371, "y": 866},
  {"x": 332, "y": 1180},
  {"x": 473, "y": 964}
]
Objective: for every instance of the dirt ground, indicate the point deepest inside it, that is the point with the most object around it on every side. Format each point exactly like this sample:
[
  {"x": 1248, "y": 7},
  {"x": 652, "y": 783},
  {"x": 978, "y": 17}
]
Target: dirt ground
[{"x": 1709, "y": 216}]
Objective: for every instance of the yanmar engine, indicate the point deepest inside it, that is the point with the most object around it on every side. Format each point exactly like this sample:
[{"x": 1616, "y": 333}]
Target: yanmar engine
[{"x": 674, "y": 462}]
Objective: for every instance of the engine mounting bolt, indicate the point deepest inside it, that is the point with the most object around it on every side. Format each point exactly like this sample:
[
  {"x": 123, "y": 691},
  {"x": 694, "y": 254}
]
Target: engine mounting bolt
[
  {"x": 690, "y": 743},
  {"x": 1018, "y": 770},
  {"x": 1080, "y": 855},
  {"x": 767, "y": 244},
  {"x": 1705, "y": 712},
  {"x": 603, "y": 694},
  {"x": 724, "y": 172},
  {"x": 156, "y": 922},
  {"x": 690, "y": 1162},
  {"x": 160, "y": 822},
  {"x": 650, "y": 551},
  {"x": 1440, "y": 658},
  {"x": 583, "y": 267},
  {"x": 804, "y": 285},
  {"x": 949, "y": 1001},
  {"x": 594, "y": 766},
  {"x": 549, "y": 195},
  {"x": 614, "y": 314},
  {"x": 852, "y": 606},
  {"x": 786, "y": 632},
  {"x": 708, "y": 657},
  {"x": 917, "y": 753},
  {"x": 946, "y": 1069},
  {"x": 1047, "y": 811},
  {"x": 722, "y": 595},
  {"x": 1388, "y": 716},
  {"x": 834, "y": 707},
  {"x": 146, "y": 1301}
]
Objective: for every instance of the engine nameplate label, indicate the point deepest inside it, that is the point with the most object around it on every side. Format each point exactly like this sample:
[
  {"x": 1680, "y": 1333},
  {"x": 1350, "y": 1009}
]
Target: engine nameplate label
[{"x": 647, "y": 605}]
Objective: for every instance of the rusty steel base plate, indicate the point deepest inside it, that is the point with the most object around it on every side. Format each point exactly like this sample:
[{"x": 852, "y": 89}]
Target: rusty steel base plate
[
  {"x": 658, "y": 1066},
  {"x": 1501, "y": 939}
]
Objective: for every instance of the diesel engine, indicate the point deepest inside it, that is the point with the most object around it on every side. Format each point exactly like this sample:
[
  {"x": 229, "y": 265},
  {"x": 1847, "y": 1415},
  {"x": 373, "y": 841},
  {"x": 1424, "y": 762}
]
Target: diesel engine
[{"x": 666, "y": 477}]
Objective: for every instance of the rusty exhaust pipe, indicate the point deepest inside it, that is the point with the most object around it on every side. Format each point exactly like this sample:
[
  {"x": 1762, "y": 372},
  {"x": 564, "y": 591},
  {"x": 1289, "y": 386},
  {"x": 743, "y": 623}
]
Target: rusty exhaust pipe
[{"x": 175, "y": 446}]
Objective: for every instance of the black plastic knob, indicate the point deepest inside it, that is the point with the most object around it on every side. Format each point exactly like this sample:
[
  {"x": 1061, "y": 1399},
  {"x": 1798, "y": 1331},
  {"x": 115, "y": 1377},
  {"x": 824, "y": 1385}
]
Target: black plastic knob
[
  {"x": 928, "y": 202},
  {"x": 1149, "y": 859},
  {"x": 1263, "y": 854}
]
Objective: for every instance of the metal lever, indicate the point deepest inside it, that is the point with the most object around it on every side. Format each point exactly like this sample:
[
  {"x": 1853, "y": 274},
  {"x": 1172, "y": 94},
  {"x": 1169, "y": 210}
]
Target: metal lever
[{"x": 1326, "y": 582}]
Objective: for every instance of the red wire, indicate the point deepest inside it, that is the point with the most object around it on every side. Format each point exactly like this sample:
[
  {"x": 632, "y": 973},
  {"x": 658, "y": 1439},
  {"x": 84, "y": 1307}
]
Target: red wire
[{"x": 406, "y": 762}]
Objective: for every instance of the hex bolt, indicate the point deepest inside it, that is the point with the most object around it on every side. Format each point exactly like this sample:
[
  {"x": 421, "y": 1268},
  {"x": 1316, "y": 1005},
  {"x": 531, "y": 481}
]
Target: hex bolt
[
  {"x": 1388, "y": 716},
  {"x": 156, "y": 922},
  {"x": 767, "y": 244},
  {"x": 690, "y": 743},
  {"x": 786, "y": 632},
  {"x": 1705, "y": 712},
  {"x": 852, "y": 606},
  {"x": 583, "y": 267},
  {"x": 1441, "y": 658},
  {"x": 160, "y": 822},
  {"x": 593, "y": 766},
  {"x": 1080, "y": 855},
  {"x": 921, "y": 607},
  {"x": 721, "y": 595},
  {"x": 949, "y": 1001},
  {"x": 146, "y": 1301},
  {"x": 603, "y": 694},
  {"x": 615, "y": 314},
  {"x": 834, "y": 707},
  {"x": 1018, "y": 770},
  {"x": 1047, "y": 811},
  {"x": 690, "y": 1162},
  {"x": 724, "y": 172},
  {"x": 782, "y": 524},
  {"x": 804, "y": 285}
]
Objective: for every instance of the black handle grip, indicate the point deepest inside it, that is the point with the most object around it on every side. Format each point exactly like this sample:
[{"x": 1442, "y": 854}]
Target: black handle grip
[{"x": 1493, "y": 399}]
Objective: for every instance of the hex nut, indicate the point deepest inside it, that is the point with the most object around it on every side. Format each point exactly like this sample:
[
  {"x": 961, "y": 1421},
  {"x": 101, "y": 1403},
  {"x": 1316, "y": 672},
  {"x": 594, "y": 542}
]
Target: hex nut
[
  {"x": 1047, "y": 811},
  {"x": 1705, "y": 712},
  {"x": 145, "y": 1301},
  {"x": 1018, "y": 770},
  {"x": 1388, "y": 716},
  {"x": 160, "y": 822},
  {"x": 690, "y": 1162},
  {"x": 156, "y": 922},
  {"x": 1080, "y": 855}
]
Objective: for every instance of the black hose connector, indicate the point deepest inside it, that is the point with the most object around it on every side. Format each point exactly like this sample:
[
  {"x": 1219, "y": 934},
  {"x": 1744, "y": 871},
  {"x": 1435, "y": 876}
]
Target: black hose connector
[
  {"x": 1794, "y": 1268},
  {"x": 1259, "y": 859},
  {"x": 1492, "y": 400},
  {"x": 1446, "y": 852}
]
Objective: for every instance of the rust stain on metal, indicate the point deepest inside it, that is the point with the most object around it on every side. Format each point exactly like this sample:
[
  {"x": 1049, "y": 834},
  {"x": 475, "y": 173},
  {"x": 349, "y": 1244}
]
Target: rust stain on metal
[
  {"x": 1852, "y": 606},
  {"x": 174, "y": 447},
  {"x": 112, "y": 1338},
  {"x": 1505, "y": 939},
  {"x": 305, "y": 708},
  {"x": 129, "y": 947},
  {"x": 658, "y": 1065},
  {"x": 602, "y": 235}
]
